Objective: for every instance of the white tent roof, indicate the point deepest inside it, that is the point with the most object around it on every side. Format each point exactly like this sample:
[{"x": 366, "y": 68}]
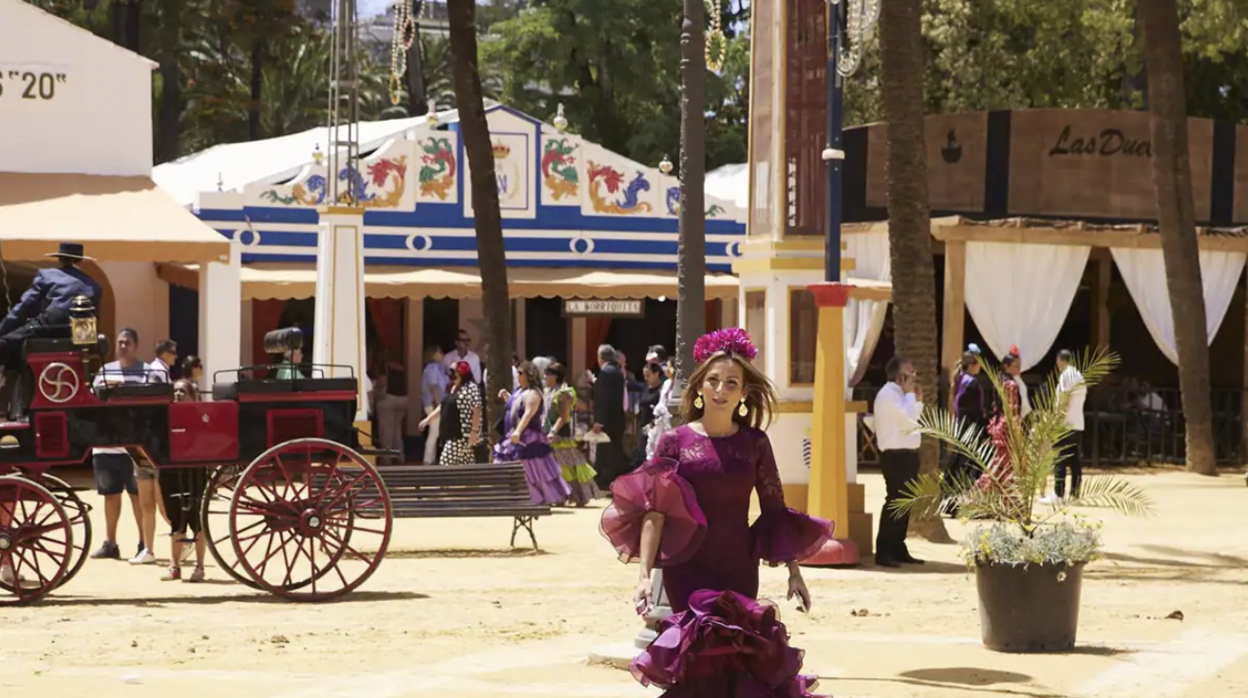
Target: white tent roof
[
  {"x": 731, "y": 183},
  {"x": 271, "y": 160}
]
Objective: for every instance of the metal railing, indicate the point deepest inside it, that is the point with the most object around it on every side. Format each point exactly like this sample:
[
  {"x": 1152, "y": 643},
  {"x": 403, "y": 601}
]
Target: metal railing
[{"x": 1126, "y": 427}]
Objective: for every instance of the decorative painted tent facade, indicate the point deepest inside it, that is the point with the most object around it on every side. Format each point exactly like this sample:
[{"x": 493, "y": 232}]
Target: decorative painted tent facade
[
  {"x": 565, "y": 202},
  {"x": 579, "y": 222}
]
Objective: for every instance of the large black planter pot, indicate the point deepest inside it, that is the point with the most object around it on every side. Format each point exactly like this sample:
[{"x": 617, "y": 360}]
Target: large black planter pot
[{"x": 1029, "y": 609}]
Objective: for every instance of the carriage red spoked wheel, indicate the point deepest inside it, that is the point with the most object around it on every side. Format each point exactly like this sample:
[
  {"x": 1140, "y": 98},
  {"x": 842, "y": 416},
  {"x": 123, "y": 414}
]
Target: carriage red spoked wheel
[
  {"x": 36, "y": 541},
  {"x": 310, "y": 520},
  {"x": 214, "y": 517},
  {"x": 79, "y": 513}
]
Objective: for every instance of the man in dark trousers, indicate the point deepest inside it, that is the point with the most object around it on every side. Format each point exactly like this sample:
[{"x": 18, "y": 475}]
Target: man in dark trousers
[
  {"x": 43, "y": 311},
  {"x": 896, "y": 412},
  {"x": 609, "y": 387}
]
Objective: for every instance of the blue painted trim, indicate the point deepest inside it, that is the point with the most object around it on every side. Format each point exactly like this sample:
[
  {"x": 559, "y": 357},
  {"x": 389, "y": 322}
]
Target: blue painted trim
[{"x": 249, "y": 258}]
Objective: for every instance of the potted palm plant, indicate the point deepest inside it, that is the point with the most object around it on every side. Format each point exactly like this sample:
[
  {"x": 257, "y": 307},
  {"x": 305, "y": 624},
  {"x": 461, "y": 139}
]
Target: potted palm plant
[{"x": 1028, "y": 553}]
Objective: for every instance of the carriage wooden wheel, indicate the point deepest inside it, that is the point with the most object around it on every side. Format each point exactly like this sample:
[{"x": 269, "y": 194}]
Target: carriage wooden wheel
[
  {"x": 79, "y": 513},
  {"x": 310, "y": 520},
  {"x": 36, "y": 540},
  {"x": 215, "y": 521}
]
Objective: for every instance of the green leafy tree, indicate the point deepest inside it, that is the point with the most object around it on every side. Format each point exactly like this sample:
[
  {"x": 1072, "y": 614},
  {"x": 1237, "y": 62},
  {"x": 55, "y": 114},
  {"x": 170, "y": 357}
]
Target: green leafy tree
[{"x": 615, "y": 67}]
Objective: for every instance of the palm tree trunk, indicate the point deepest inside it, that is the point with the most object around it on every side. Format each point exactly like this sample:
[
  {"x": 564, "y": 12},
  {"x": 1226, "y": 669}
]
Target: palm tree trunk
[
  {"x": 909, "y": 221},
  {"x": 257, "y": 89},
  {"x": 417, "y": 102},
  {"x": 169, "y": 133},
  {"x": 1176, "y": 215},
  {"x": 491, "y": 260}
]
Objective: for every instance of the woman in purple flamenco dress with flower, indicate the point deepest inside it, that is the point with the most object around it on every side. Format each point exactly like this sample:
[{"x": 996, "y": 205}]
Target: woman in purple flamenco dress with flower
[
  {"x": 526, "y": 440},
  {"x": 687, "y": 511}
]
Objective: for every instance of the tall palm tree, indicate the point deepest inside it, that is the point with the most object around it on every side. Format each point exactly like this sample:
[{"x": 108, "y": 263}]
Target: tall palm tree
[
  {"x": 909, "y": 220},
  {"x": 491, "y": 259},
  {"x": 1176, "y": 215}
]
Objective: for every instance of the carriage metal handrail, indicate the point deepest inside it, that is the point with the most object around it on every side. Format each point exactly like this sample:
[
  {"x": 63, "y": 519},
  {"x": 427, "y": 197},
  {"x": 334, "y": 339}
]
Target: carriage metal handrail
[{"x": 314, "y": 367}]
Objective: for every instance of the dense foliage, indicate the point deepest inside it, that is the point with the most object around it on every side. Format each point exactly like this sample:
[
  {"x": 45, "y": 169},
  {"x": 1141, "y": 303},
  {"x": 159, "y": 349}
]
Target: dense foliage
[{"x": 257, "y": 69}]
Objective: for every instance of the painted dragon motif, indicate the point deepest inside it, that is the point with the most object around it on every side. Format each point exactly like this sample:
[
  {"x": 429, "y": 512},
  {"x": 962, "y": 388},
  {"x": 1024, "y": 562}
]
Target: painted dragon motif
[
  {"x": 611, "y": 178},
  {"x": 313, "y": 192},
  {"x": 437, "y": 173},
  {"x": 673, "y": 204},
  {"x": 559, "y": 169}
]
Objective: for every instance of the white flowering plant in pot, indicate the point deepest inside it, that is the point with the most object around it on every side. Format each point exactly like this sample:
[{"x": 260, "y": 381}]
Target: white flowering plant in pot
[
  {"x": 1017, "y": 457},
  {"x": 1028, "y": 554}
]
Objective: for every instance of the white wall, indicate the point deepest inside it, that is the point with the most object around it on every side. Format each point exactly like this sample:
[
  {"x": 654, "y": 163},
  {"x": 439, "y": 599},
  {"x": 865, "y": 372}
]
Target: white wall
[
  {"x": 99, "y": 120},
  {"x": 141, "y": 300}
]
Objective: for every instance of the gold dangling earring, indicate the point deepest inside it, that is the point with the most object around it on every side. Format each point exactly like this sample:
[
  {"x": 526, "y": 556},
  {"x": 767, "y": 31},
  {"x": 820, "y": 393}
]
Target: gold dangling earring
[
  {"x": 697, "y": 401},
  {"x": 742, "y": 409}
]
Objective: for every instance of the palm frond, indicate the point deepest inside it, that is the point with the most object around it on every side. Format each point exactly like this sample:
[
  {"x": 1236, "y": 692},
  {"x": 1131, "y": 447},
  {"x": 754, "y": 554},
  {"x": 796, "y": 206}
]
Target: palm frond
[{"x": 1113, "y": 493}]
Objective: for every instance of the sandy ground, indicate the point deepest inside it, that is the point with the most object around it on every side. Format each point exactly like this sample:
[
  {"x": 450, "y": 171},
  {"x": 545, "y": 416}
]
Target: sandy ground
[{"x": 452, "y": 612}]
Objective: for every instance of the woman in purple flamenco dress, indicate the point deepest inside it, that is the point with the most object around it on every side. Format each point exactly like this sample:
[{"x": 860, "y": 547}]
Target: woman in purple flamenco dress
[
  {"x": 687, "y": 511},
  {"x": 526, "y": 440}
]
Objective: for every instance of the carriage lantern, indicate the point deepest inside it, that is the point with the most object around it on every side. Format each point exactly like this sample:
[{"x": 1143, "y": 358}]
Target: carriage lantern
[{"x": 82, "y": 321}]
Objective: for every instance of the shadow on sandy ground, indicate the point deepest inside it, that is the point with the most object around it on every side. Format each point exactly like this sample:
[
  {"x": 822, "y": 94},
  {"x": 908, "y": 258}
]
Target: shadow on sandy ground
[{"x": 251, "y": 597}]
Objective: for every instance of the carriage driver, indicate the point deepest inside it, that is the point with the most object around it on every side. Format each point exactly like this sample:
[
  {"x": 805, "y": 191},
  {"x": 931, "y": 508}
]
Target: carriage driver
[{"x": 43, "y": 311}]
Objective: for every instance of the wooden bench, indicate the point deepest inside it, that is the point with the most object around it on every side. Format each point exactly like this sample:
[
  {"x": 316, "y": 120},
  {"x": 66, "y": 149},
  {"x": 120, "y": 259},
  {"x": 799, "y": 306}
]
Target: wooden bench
[{"x": 457, "y": 491}]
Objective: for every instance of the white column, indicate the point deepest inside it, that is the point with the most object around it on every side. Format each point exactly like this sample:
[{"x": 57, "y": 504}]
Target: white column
[
  {"x": 246, "y": 334},
  {"x": 220, "y": 316},
  {"x": 415, "y": 360},
  {"x": 340, "y": 298}
]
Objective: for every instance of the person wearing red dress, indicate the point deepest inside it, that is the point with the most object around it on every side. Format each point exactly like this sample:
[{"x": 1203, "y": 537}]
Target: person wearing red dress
[{"x": 687, "y": 511}]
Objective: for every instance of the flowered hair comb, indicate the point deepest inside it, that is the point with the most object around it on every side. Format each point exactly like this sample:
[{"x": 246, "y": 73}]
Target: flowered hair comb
[
  {"x": 974, "y": 348},
  {"x": 731, "y": 340},
  {"x": 463, "y": 368},
  {"x": 1014, "y": 350}
]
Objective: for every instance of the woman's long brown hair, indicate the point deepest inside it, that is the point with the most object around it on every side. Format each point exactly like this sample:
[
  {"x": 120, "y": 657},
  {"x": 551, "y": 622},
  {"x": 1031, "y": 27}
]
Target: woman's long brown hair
[{"x": 760, "y": 394}]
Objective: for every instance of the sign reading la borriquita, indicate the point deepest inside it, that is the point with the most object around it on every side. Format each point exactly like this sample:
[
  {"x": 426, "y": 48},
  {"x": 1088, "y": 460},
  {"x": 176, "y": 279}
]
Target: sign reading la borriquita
[{"x": 614, "y": 308}]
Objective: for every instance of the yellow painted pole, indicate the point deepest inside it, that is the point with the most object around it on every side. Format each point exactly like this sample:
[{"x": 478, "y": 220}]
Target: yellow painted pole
[{"x": 829, "y": 493}]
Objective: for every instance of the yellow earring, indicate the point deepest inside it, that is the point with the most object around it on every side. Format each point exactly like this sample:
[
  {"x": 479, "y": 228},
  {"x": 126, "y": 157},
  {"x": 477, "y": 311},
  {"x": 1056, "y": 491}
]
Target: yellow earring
[
  {"x": 697, "y": 401},
  {"x": 742, "y": 409}
]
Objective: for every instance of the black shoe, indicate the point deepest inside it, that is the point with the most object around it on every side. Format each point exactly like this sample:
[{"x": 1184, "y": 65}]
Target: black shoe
[
  {"x": 886, "y": 562},
  {"x": 107, "y": 551},
  {"x": 909, "y": 559}
]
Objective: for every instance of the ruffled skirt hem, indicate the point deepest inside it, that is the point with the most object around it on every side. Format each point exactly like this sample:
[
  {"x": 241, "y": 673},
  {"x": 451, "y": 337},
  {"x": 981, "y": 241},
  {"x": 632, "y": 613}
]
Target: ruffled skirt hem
[{"x": 725, "y": 646}]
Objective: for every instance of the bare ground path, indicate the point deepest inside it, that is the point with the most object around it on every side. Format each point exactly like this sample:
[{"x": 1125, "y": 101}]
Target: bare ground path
[{"x": 452, "y": 613}]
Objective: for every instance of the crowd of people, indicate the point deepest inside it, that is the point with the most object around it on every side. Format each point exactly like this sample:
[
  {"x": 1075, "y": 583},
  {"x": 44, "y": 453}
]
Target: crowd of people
[{"x": 573, "y": 436}]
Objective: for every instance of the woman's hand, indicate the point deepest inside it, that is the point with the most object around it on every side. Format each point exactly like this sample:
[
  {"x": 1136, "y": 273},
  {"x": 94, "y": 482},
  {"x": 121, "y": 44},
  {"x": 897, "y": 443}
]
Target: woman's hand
[
  {"x": 797, "y": 587},
  {"x": 503, "y": 395},
  {"x": 515, "y": 438},
  {"x": 643, "y": 596}
]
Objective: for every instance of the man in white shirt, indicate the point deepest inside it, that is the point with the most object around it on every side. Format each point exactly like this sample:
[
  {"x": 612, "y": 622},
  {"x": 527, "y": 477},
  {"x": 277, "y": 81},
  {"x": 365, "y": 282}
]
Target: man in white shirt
[
  {"x": 896, "y": 412},
  {"x": 161, "y": 368},
  {"x": 463, "y": 353},
  {"x": 114, "y": 469},
  {"x": 1072, "y": 392}
]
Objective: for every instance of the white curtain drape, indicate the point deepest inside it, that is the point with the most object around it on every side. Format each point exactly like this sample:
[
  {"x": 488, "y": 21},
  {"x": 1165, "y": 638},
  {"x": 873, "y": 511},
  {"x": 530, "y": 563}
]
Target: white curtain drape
[
  {"x": 864, "y": 320},
  {"x": 1144, "y": 272},
  {"x": 1021, "y": 293}
]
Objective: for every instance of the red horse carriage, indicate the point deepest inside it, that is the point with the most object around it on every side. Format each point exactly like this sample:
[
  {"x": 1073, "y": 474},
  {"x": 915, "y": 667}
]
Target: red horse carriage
[{"x": 291, "y": 506}]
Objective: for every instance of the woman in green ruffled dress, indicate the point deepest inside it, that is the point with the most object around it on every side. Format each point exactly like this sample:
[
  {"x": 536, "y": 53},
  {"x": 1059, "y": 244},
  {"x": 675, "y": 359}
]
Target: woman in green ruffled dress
[{"x": 561, "y": 429}]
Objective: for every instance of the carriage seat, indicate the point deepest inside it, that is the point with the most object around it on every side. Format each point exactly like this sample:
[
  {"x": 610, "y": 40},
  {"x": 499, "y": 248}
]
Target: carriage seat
[
  {"x": 277, "y": 388},
  {"x": 135, "y": 390},
  {"x": 61, "y": 345}
]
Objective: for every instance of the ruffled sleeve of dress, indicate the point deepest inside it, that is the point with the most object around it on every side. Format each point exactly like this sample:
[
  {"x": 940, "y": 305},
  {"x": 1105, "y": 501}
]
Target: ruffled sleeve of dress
[
  {"x": 655, "y": 487},
  {"x": 781, "y": 534}
]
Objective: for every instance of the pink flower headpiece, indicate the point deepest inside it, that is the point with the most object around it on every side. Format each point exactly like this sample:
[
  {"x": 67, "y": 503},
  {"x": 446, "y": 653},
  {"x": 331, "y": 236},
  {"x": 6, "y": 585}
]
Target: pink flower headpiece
[{"x": 731, "y": 340}]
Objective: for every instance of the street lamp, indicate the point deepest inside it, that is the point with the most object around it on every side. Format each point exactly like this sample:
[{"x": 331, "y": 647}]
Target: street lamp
[{"x": 849, "y": 24}]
